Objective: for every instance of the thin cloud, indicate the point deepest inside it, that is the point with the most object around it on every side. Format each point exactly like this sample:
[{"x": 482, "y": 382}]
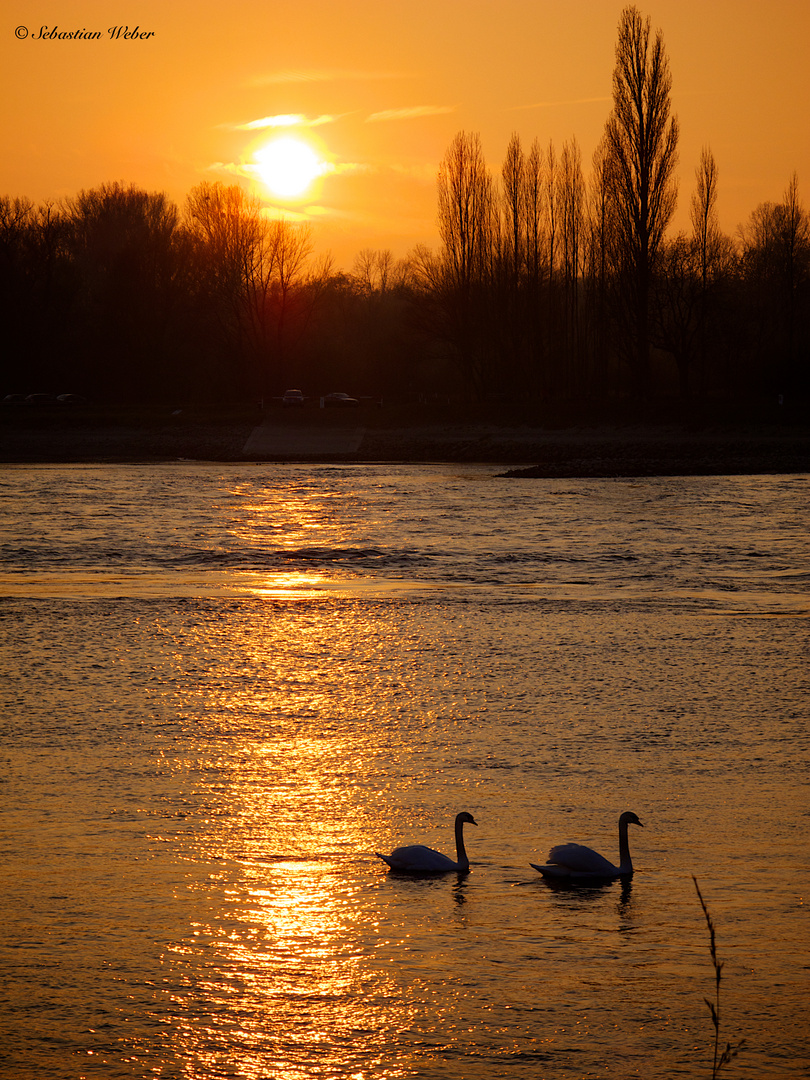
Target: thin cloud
[
  {"x": 229, "y": 168},
  {"x": 413, "y": 113},
  {"x": 287, "y": 120},
  {"x": 347, "y": 168},
  {"x": 328, "y": 75},
  {"x": 285, "y": 213},
  {"x": 422, "y": 172},
  {"x": 557, "y": 104}
]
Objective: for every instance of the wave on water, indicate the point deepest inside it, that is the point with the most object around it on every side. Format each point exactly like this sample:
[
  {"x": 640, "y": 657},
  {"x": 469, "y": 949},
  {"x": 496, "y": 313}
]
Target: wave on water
[
  {"x": 281, "y": 556},
  {"x": 88, "y": 558},
  {"x": 384, "y": 528}
]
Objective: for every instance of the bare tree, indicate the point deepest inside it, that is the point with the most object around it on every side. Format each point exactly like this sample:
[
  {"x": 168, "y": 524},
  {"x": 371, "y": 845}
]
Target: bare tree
[
  {"x": 259, "y": 270},
  {"x": 511, "y": 281},
  {"x": 365, "y": 270},
  {"x": 15, "y": 215},
  {"x": 551, "y": 201},
  {"x": 124, "y": 251},
  {"x": 571, "y": 200},
  {"x": 376, "y": 271},
  {"x": 776, "y": 270},
  {"x": 689, "y": 282},
  {"x": 705, "y": 227},
  {"x": 32, "y": 303},
  {"x": 286, "y": 301},
  {"x": 533, "y": 209},
  {"x": 465, "y": 209},
  {"x": 712, "y": 254},
  {"x": 467, "y": 226},
  {"x": 796, "y": 248},
  {"x": 513, "y": 181},
  {"x": 642, "y": 143},
  {"x": 386, "y": 269},
  {"x": 289, "y": 248},
  {"x": 597, "y": 262},
  {"x": 227, "y": 221},
  {"x": 535, "y": 245},
  {"x": 678, "y": 305}
]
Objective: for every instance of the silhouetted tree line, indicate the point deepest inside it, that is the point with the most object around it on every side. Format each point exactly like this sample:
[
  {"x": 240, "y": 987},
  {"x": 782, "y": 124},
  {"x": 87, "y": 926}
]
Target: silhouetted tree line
[
  {"x": 546, "y": 284},
  {"x": 116, "y": 294}
]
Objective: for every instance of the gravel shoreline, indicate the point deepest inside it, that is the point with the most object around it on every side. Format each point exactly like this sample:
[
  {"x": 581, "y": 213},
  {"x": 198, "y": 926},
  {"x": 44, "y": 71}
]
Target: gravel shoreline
[{"x": 527, "y": 450}]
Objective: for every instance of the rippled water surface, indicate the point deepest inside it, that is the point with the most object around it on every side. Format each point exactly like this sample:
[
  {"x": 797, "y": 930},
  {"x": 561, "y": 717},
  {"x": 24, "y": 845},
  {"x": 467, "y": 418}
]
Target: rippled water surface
[{"x": 226, "y": 687}]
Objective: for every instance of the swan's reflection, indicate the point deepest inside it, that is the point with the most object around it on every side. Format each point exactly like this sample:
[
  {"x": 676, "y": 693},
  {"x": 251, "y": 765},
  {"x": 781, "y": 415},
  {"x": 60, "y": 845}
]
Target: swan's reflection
[
  {"x": 592, "y": 889},
  {"x": 571, "y": 897},
  {"x": 459, "y": 888},
  {"x": 414, "y": 885},
  {"x": 624, "y": 896}
]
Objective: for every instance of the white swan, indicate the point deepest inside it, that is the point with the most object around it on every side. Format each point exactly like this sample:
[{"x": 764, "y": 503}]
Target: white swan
[
  {"x": 418, "y": 859},
  {"x": 573, "y": 862}
]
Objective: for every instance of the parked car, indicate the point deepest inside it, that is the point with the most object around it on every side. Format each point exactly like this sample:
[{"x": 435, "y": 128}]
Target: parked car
[
  {"x": 340, "y": 401},
  {"x": 292, "y": 399},
  {"x": 14, "y": 399},
  {"x": 71, "y": 399},
  {"x": 41, "y": 399}
]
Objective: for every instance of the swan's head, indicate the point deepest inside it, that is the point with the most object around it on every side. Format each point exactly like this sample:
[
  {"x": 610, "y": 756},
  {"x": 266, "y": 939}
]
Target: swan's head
[
  {"x": 466, "y": 818},
  {"x": 629, "y": 818}
]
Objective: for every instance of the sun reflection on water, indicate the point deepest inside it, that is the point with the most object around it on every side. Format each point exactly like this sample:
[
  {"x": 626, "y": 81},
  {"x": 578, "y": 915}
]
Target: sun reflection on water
[
  {"x": 278, "y": 970},
  {"x": 280, "y": 973}
]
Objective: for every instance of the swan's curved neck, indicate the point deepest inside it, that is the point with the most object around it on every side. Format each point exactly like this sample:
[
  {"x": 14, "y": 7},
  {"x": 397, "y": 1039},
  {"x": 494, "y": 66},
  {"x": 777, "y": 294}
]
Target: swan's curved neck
[
  {"x": 461, "y": 851},
  {"x": 625, "y": 862}
]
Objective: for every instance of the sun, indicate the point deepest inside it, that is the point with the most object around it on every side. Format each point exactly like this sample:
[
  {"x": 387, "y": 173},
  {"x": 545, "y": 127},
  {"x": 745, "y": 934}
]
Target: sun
[{"x": 288, "y": 166}]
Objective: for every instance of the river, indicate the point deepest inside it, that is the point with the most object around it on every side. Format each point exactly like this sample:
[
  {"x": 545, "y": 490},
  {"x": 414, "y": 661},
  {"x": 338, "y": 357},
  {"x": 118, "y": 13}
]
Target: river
[{"x": 227, "y": 686}]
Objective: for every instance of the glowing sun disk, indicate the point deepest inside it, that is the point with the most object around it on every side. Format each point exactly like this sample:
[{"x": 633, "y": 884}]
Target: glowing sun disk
[{"x": 288, "y": 166}]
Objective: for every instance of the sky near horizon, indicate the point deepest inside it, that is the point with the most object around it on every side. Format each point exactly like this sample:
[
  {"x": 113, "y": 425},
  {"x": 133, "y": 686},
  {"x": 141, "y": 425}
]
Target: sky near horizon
[{"x": 379, "y": 90}]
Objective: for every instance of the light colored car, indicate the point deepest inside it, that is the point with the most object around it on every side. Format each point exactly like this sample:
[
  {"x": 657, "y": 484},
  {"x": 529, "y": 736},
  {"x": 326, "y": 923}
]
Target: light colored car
[
  {"x": 340, "y": 401},
  {"x": 292, "y": 399}
]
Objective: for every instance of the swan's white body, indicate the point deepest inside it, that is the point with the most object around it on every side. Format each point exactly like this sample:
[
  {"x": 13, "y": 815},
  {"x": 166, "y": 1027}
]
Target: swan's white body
[
  {"x": 418, "y": 859},
  {"x": 573, "y": 862}
]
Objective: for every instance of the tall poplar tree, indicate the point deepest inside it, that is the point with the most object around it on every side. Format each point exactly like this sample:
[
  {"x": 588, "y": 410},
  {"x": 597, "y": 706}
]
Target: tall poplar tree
[{"x": 642, "y": 145}]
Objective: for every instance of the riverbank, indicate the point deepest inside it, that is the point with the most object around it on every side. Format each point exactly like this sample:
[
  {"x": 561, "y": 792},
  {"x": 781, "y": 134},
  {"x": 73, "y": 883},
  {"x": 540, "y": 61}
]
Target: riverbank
[{"x": 629, "y": 442}]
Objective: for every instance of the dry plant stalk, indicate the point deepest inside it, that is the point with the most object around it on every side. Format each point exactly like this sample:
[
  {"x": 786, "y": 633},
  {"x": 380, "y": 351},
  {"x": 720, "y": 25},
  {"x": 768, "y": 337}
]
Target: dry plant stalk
[{"x": 720, "y": 1059}]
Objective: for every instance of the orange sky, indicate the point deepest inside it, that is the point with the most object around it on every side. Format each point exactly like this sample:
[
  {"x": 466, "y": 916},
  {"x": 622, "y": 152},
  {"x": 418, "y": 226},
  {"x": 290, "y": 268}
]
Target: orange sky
[{"x": 389, "y": 84}]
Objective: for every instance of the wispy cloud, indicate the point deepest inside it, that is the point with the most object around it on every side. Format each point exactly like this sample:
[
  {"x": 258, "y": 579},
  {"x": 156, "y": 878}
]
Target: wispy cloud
[
  {"x": 413, "y": 113},
  {"x": 556, "y": 104},
  {"x": 286, "y": 213},
  {"x": 287, "y": 120},
  {"x": 328, "y": 75},
  {"x": 228, "y": 168}
]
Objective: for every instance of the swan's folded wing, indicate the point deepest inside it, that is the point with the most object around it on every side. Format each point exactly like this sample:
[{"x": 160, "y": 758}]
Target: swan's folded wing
[
  {"x": 581, "y": 860},
  {"x": 419, "y": 859}
]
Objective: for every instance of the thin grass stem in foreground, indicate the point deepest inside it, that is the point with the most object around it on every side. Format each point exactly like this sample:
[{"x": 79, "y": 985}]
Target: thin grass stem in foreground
[{"x": 730, "y": 1052}]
